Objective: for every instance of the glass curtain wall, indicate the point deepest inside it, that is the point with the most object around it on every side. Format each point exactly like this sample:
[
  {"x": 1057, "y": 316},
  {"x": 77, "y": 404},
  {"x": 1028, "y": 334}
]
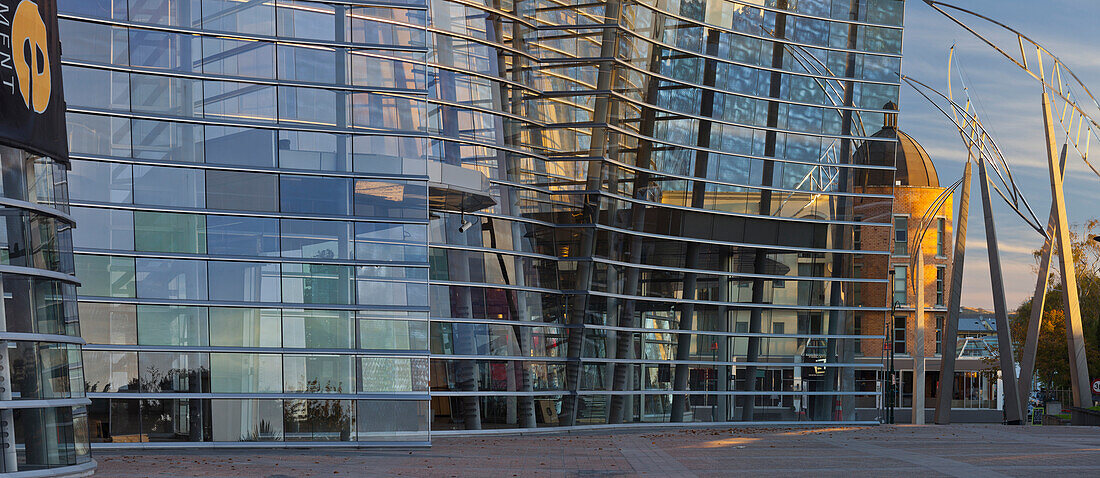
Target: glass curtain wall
[
  {"x": 43, "y": 408},
  {"x": 253, "y": 178},
  {"x": 677, "y": 208},
  {"x": 670, "y": 239}
]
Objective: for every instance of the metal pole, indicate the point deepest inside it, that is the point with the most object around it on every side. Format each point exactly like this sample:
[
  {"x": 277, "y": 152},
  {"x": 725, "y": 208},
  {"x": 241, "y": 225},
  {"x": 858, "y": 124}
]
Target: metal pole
[
  {"x": 1038, "y": 302},
  {"x": 891, "y": 392},
  {"x": 951, "y": 327},
  {"x": 1078, "y": 365},
  {"x": 1004, "y": 333}
]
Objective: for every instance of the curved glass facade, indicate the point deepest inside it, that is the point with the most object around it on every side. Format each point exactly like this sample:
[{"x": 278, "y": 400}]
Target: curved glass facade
[
  {"x": 43, "y": 410},
  {"x": 350, "y": 222},
  {"x": 678, "y": 209}
]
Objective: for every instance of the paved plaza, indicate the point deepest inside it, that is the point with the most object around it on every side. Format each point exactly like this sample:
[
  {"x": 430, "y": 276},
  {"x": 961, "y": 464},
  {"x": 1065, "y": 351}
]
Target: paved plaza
[{"x": 957, "y": 450}]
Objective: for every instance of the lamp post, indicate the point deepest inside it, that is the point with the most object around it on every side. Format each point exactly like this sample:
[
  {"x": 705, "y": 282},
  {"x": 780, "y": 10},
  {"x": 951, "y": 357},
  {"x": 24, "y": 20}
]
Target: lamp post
[{"x": 889, "y": 347}]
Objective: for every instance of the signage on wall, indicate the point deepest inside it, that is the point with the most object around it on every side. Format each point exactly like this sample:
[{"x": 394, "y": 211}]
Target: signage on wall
[{"x": 32, "y": 104}]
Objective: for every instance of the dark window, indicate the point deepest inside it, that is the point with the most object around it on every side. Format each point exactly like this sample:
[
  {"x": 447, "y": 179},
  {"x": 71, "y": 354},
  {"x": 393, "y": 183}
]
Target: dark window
[
  {"x": 242, "y": 236},
  {"x": 899, "y": 334},
  {"x": 901, "y": 235},
  {"x": 238, "y": 191},
  {"x": 315, "y": 195},
  {"x": 941, "y": 272}
]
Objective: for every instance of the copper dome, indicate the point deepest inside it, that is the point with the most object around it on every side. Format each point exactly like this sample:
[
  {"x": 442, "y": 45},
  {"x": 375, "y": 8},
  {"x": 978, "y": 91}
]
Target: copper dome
[{"x": 914, "y": 167}]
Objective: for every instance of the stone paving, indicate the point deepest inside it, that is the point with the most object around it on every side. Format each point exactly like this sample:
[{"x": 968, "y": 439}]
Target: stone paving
[{"x": 956, "y": 450}]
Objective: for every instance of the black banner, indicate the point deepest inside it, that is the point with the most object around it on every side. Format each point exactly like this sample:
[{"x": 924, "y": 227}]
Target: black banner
[{"x": 32, "y": 102}]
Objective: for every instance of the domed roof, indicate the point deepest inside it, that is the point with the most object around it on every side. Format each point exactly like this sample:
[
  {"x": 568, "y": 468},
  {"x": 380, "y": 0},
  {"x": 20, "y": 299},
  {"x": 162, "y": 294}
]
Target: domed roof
[{"x": 914, "y": 167}]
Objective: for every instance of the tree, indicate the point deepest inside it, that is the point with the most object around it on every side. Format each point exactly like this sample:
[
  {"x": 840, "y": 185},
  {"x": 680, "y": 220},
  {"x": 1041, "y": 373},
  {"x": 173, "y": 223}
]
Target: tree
[{"x": 1052, "y": 357}]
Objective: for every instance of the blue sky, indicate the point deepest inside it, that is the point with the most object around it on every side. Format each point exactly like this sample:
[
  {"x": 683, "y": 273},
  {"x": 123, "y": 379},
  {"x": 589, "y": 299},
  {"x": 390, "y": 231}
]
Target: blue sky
[{"x": 1009, "y": 102}]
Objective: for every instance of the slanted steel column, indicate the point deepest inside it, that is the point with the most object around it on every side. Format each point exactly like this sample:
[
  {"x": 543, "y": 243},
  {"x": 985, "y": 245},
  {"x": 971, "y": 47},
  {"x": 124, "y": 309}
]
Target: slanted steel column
[
  {"x": 1004, "y": 334},
  {"x": 1078, "y": 366},
  {"x": 951, "y": 327},
  {"x": 918, "y": 346},
  {"x": 1038, "y": 302}
]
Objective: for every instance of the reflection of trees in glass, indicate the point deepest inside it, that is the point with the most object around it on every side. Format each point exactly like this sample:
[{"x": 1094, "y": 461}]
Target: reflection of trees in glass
[
  {"x": 195, "y": 380},
  {"x": 130, "y": 386},
  {"x": 264, "y": 432},
  {"x": 320, "y": 420}
]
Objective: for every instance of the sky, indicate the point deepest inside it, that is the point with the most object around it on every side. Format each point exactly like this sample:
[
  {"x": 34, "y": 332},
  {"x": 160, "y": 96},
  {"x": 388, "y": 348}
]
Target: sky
[{"x": 1009, "y": 103}]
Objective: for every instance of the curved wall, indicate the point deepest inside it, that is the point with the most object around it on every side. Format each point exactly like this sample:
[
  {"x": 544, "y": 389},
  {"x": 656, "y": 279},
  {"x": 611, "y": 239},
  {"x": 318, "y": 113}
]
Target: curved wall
[
  {"x": 43, "y": 409},
  {"x": 675, "y": 228}
]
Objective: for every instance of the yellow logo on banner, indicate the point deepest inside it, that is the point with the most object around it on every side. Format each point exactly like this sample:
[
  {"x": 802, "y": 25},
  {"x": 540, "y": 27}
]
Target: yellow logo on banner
[{"x": 32, "y": 60}]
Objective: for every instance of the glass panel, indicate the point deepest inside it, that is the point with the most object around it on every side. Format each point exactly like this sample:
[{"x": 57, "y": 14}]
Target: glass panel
[
  {"x": 240, "y": 146},
  {"x": 310, "y": 106},
  {"x": 379, "y": 293},
  {"x": 317, "y": 329},
  {"x": 316, "y": 239},
  {"x": 236, "y": 327},
  {"x": 181, "y": 97},
  {"x": 376, "y": 241},
  {"x": 169, "y": 232},
  {"x": 244, "y": 281},
  {"x": 182, "y": 187},
  {"x": 307, "y": 20},
  {"x": 167, "y": 141},
  {"x": 108, "y": 323},
  {"x": 242, "y": 236},
  {"x": 114, "y": 421},
  {"x": 175, "y": 420},
  {"x": 365, "y": 26},
  {"x": 390, "y": 155},
  {"x": 313, "y": 151},
  {"x": 100, "y": 182},
  {"x": 246, "y": 373},
  {"x": 317, "y": 373},
  {"x": 312, "y": 64},
  {"x": 94, "y": 134},
  {"x": 247, "y": 420},
  {"x": 391, "y": 199},
  {"x": 392, "y": 334},
  {"x": 176, "y": 52},
  {"x": 239, "y": 101},
  {"x": 386, "y": 374},
  {"x": 110, "y": 9},
  {"x": 99, "y": 43},
  {"x": 103, "y": 228},
  {"x": 387, "y": 69},
  {"x": 393, "y": 420},
  {"x": 318, "y": 420},
  {"x": 387, "y": 113},
  {"x": 240, "y": 191},
  {"x": 225, "y": 56},
  {"x": 171, "y": 279},
  {"x": 315, "y": 195},
  {"x": 105, "y": 276},
  {"x": 110, "y": 371},
  {"x": 113, "y": 91},
  {"x": 178, "y": 13},
  {"x": 316, "y": 284},
  {"x": 172, "y": 325},
  {"x": 174, "y": 372},
  {"x": 256, "y": 18}
]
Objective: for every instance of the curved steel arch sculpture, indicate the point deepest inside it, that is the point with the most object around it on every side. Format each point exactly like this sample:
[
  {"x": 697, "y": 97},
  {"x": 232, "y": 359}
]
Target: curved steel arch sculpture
[{"x": 1066, "y": 86}]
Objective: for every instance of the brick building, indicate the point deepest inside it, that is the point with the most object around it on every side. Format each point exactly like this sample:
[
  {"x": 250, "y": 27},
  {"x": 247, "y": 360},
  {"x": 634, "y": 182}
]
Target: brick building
[{"x": 915, "y": 186}]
